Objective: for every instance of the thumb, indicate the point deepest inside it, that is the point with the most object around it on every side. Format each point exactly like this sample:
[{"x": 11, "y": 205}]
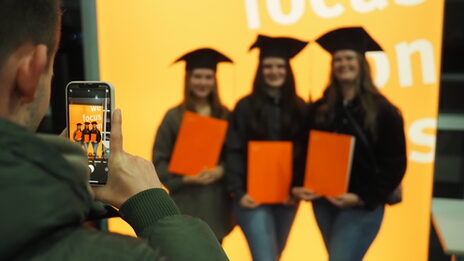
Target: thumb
[
  {"x": 100, "y": 193},
  {"x": 116, "y": 132}
]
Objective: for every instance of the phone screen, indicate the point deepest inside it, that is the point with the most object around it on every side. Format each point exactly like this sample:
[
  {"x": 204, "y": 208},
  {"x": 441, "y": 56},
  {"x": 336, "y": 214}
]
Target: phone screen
[{"x": 89, "y": 125}]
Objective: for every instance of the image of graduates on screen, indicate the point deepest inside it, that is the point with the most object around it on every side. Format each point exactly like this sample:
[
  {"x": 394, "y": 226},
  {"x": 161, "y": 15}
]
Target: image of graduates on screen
[{"x": 88, "y": 128}]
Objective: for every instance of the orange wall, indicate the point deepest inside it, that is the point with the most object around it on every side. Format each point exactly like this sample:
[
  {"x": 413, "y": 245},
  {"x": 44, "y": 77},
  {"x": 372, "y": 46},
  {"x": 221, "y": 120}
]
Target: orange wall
[{"x": 138, "y": 40}]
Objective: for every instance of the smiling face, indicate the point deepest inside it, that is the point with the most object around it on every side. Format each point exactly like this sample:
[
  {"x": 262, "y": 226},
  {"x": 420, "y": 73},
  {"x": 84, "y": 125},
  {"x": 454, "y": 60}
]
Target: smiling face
[
  {"x": 346, "y": 66},
  {"x": 202, "y": 82},
  {"x": 274, "y": 71}
]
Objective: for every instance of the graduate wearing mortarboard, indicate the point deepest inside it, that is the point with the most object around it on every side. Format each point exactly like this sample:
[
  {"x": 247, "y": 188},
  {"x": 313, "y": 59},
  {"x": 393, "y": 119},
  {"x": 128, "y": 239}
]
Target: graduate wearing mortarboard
[
  {"x": 95, "y": 138},
  {"x": 204, "y": 195},
  {"x": 77, "y": 134},
  {"x": 86, "y": 136},
  {"x": 351, "y": 104},
  {"x": 272, "y": 112}
]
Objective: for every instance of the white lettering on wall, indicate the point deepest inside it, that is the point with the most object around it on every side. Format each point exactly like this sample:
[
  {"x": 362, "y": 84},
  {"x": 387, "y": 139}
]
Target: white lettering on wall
[
  {"x": 324, "y": 11},
  {"x": 320, "y": 7},
  {"x": 366, "y": 6},
  {"x": 409, "y": 2},
  {"x": 90, "y": 118},
  {"x": 418, "y": 136},
  {"x": 275, "y": 11},
  {"x": 382, "y": 67},
  {"x": 252, "y": 11},
  {"x": 404, "y": 52}
]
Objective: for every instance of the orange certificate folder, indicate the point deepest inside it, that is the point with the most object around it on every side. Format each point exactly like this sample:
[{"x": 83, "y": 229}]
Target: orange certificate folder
[
  {"x": 269, "y": 171},
  {"x": 328, "y": 164},
  {"x": 198, "y": 144}
]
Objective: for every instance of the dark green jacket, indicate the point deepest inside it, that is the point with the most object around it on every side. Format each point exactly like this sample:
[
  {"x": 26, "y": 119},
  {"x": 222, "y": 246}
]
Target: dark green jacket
[
  {"x": 44, "y": 201},
  {"x": 211, "y": 202}
]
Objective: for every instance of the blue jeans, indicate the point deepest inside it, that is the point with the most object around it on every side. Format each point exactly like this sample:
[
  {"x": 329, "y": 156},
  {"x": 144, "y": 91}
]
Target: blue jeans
[
  {"x": 347, "y": 232},
  {"x": 86, "y": 146},
  {"x": 266, "y": 229},
  {"x": 95, "y": 148}
]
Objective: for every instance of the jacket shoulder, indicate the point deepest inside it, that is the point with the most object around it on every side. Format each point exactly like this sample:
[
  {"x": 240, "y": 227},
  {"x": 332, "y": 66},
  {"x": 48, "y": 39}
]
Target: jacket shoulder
[
  {"x": 387, "y": 110},
  {"x": 85, "y": 244},
  {"x": 174, "y": 113},
  {"x": 243, "y": 104}
]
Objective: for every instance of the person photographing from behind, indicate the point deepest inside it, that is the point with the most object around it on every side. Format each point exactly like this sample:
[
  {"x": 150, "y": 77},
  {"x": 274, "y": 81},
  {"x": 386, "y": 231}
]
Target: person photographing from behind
[{"x": 44, "y": 189}]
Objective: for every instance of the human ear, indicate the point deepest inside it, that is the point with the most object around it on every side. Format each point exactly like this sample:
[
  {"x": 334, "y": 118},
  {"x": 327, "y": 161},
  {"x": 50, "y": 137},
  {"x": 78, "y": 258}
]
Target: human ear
[{"x": 30, "y": 70}]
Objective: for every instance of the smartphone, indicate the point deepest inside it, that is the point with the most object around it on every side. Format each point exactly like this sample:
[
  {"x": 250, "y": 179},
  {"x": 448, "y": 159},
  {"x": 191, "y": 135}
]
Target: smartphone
[{"x": 89, "y": 107}]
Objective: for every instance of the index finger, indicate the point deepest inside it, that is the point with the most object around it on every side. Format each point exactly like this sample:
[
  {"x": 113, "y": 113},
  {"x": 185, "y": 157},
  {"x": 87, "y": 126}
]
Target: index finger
[{"x": 116, "y": 132}]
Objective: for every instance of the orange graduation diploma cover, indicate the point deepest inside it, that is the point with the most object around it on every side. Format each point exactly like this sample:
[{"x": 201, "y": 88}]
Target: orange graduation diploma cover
[
  {"x": 328, "y": 164},
  {"x": 269, "y": 170},
  {"x": 198, "y": 144}
]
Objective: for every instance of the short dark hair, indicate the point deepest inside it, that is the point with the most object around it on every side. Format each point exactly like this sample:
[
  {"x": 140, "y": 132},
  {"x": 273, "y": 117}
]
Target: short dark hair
[{"x": 23, "y": 21}]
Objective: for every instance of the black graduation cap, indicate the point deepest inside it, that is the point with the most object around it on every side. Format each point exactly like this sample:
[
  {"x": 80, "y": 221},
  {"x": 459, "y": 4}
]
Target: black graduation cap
[
  {"x": 86, "y": 123},
  {"x": 283, "y": 47},
  {"x": 79, "y": 124},
  {"x": 203, "y": 58},
  {"x": 94, "y": 122},
  {"x": 348, "y": 38}
]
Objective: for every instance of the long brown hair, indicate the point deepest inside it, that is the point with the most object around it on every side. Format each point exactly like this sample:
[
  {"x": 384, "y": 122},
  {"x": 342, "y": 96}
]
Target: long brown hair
[
  {"x": 218, "y": 110},
  {"x": 366, "y": 92},
  {"x": 292, "y": 108}
]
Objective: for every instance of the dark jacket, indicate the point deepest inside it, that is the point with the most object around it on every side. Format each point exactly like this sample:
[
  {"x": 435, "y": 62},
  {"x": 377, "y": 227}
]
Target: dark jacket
[
  {"x": 45, "y": 200},
  {"x": 240, "y": 133},
  {"x": 97, "y": 134},
  {"x": 211, "y": 202},
  {"x": 373, "y": 184},
  {"x": 86, "y": 135}
]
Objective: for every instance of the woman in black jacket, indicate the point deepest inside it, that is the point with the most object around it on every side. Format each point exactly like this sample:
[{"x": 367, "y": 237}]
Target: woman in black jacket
[
  {"x": 352, "y": 105},
  {"x": 272, "y": 112}
]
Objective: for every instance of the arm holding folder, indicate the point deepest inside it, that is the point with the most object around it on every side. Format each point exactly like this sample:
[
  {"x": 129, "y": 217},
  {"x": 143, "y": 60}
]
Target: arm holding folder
[
  {"x": 300, "y": 187},
  {"x": 236, "y": 155},
  {"x": 298, "y": 190},
  {"x": 164, "y": 148}
]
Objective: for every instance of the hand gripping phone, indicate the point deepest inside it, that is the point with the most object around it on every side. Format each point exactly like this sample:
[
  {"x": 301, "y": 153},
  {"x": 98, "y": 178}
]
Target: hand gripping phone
[{"x": 89, "y": 107}]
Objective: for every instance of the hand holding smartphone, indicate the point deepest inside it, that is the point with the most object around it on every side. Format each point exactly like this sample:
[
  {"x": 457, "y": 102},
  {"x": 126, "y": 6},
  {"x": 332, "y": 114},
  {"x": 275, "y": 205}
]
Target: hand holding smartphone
[
  {"x": 89, "y": 107},
  {"x": 128, "y": 175}
]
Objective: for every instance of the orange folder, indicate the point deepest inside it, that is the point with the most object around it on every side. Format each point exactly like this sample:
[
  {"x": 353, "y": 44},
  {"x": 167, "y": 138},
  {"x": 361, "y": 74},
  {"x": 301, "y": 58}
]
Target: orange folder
[
  {"x": 328, "y": 164},
  {"x": 78, "y": 135},
  {"x": 198, "y": 144},
  {"x": 93, "y": 137},
  {"x": 269, "y": 171}
]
